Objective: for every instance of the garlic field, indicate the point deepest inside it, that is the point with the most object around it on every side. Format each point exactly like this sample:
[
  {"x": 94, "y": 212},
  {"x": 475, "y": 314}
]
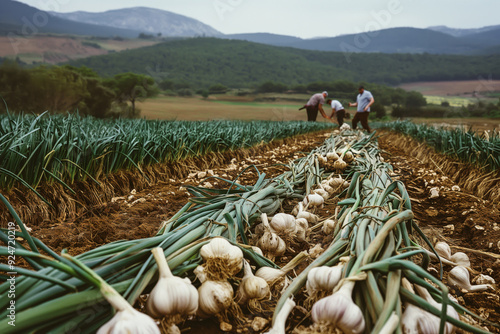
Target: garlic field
[{"x": 326, "y": 232}]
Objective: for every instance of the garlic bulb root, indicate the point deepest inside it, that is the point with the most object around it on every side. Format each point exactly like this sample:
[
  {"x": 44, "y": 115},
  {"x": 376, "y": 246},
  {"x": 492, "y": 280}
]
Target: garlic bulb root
[{"x": 222, "y": 259}]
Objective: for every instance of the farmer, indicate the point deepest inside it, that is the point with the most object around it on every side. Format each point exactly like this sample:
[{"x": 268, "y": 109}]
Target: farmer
[
  {"x": 363, "y": 102},
  {"x": 338, "y": 110},
  {"x": 314, "y": 104}
]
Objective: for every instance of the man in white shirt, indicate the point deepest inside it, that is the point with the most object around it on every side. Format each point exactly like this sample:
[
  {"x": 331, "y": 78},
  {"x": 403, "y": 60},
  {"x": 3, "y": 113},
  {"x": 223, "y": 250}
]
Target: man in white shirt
[
  {"x": 314, "y": 104},
  {"x": 363, "y": 102},
  {"x": 338, "y": 110}
]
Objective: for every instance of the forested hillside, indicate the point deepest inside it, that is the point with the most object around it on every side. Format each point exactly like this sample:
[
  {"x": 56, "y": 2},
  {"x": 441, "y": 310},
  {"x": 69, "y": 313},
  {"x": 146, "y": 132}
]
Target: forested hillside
[{"x": 206, "y": 61}]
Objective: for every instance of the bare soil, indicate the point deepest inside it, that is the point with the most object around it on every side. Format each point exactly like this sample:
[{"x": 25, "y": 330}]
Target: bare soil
[{"x": 458, "y": 217}]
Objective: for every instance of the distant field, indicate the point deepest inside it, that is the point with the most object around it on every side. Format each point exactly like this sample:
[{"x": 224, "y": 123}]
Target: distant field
[
  {"x": 454, "y": 101},
  {"x": 481, "y": 86},
  {"x": 56, "y": 49},
  {"x": 198, "y": 109}
]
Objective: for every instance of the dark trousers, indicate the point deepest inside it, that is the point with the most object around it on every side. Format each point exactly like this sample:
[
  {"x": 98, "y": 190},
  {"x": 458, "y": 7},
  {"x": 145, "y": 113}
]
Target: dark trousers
[
  {"x": 363, "y": 118},
  {"x": 312, "y": 113},
  {"x": 340, "y": 116}
]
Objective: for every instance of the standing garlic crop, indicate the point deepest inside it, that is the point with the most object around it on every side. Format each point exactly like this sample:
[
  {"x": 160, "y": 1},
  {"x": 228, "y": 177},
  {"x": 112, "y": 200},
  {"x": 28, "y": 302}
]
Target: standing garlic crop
[{"x": 172, "y": 297}]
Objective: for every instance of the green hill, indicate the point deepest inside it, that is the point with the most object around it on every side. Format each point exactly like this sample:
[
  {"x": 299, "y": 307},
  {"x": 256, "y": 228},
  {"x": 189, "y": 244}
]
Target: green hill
[{"x": 206, "y": 61}]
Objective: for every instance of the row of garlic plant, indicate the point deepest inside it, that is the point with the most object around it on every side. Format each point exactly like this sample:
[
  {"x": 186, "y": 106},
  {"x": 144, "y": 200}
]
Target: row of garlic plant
[
  {"x": 370, "y": 268},
  {"x": 128, "y": 267},
  {"x": 47, "y": 149},
  {"x": 468, "y": 146}
]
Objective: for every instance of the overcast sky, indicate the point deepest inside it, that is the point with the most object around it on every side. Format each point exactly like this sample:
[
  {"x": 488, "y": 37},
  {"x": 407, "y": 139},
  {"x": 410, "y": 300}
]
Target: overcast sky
[{"x": 306, "y": 18}]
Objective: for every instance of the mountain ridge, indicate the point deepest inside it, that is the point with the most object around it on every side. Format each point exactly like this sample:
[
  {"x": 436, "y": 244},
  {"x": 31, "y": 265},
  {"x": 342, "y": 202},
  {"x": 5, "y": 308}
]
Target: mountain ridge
[{"x": 146, "y": 19}]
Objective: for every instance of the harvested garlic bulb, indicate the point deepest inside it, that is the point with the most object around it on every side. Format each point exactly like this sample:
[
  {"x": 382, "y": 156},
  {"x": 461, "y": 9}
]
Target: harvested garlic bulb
[
  {"x": 323, "y": 193},
  {"x": 310, "y": 217},
  {"x": 279, "y": 325},
  {"x": 326, "y": 187},
  {"x": 460, "y": 259},
  {"x": 415, "y": 320},
  {"x": 332, "y": 156},
  {"x": 215, "y": 297},
  {"x": 126, "y": 319},
  {"x": 450, "y": 311},
  {"x": 323, "y": 279},
  {"x": 270, "y": 243},
  {"x": 339, "y": 311},
  {"x": 459, "y": 277},
  {"x": 172, "y": 295},
  {"x": 283, "y": 223},
  {"x": 348, "y": 157},
  {"x": 302, "y": 229},
  {"x": 328, "y": 226},
  {"x": 252, "y": 289},
  {"x": 222, "y": 260},
  {"x": 483, "y": 279},
  {"x": 130, "y": 321},
  {"x": 337, "y": 182},
  {"x": 313, "y": 200},
  {"x": 340, "y": 165},
  {"x": 443, "y": 250}
]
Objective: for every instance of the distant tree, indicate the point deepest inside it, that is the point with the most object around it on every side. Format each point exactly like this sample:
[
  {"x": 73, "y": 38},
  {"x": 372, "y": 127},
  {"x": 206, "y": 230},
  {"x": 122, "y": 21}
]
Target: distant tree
[
  {"x": 271, "y": 87},
  {"x": 445, "y": 104},
  {"x": 415, "y": 100},
  {"x": 217, "y": 89},
  {"x": 133, "y": 87},
  {"x": 379, "y": 110}
]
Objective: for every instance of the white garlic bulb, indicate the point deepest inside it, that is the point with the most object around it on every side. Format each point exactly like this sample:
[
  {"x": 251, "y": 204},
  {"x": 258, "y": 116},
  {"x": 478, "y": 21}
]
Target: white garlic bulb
[
  {"x": 222, "y": 260},
  {"x": 328, "y": 226},
  {"x": 279, "y": 325},
  {"x": 302, "y": 229},
  {"x": 313, "y": 200},
  {"x": 310, "y": 217},
  {"x": 171, "y": 295},
  {"x": 126, "y": 319},
  {"x": 459, "y": 277},
  {"x": 215, "y": 297},
  {"x": 443, "y": 250},
  {"x": 252, "y": 289},
  {"x": 339, "y": 311},
  {"x": 130, "y": 321},
  {"x": 340, "y": 165},
  {"x": 332, "y": 156},
  {"x": 283, "y": 223},
  {"x": 460, "y": 259},
  {"x": 323, "y": 279},
  {"x": 272, "y": 245},
  {"x": 326, "y": 187},
  {"x": 323, "y": 193},
  {"x": 450, "y": 311},
  {"x": 336, "y": 182},
  {"x": 348, "y": 157}
]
